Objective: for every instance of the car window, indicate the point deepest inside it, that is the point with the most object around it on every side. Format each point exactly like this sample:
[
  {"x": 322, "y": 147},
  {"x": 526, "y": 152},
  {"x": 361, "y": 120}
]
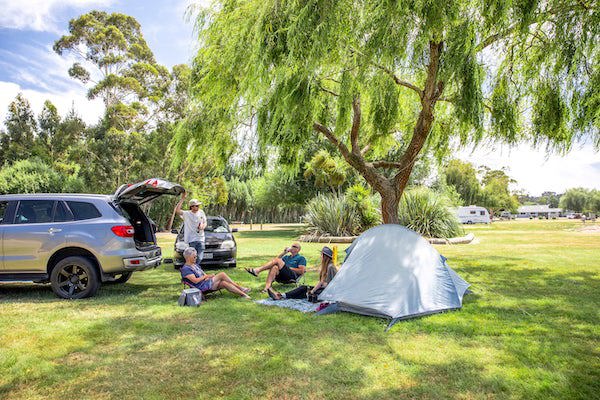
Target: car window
[
  {"x": 82, "y": 210},
  {"x": 34, "y": 211},
  {"x": 62, "y": 214},
  {"x": 3, "y": 207},
  {"x": 217, "y": 225}
]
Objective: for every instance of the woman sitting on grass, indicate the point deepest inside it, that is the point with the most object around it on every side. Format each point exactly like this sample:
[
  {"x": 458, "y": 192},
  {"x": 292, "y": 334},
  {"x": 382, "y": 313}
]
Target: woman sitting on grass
[
  {"x": 326, "y": 274},
  {"x": 193, "y": 274}
]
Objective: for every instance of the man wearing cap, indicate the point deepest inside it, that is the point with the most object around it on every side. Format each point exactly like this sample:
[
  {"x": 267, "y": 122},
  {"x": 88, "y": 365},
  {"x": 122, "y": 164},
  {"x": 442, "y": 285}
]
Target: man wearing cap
[
  {"x": 283, "y": 268},
  {"x": 194, "y": 222}
]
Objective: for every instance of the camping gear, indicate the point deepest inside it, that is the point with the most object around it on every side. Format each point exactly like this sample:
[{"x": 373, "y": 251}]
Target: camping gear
[
  {"x": 190, "y": 297},
  {"x": 392, "y": 272}
]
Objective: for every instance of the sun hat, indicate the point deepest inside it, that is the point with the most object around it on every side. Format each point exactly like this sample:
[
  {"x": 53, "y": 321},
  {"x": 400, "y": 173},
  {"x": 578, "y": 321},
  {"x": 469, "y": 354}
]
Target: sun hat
[
  {"x": 194, "y": 202},
  {"x": 327, "y": 251}
]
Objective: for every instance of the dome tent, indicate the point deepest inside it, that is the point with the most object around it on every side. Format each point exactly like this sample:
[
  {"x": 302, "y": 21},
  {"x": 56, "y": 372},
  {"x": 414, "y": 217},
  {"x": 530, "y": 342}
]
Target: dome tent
[{"x": 392, "y": 272}]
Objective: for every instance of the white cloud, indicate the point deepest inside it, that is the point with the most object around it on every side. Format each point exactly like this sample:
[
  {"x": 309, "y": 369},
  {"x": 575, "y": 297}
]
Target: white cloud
[
  {"x": 536, "y": 171},
  {"x": 89, "y": 111},
  {"x": 39, "y": 15}
]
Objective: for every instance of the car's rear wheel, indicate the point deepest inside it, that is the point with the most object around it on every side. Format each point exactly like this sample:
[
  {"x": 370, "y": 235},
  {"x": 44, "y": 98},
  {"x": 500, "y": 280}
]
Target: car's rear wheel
[
  {"x": 74, "y": 278},
  {"x": 122, "y": 278}
]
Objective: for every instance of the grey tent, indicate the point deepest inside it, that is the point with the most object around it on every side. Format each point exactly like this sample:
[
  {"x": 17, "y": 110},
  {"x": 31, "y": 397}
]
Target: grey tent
[{"x": 392, "y": 272}]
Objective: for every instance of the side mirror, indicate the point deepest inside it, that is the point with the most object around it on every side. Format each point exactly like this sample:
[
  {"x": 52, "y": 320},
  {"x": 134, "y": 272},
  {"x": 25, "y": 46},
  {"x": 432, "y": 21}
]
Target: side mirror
[
  {"x": 234, "y": 230},
  {"x": 174, "y": 231}
]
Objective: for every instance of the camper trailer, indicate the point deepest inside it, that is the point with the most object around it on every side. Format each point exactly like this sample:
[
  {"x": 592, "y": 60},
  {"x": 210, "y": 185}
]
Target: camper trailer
[{"x": 473, "y": 215}]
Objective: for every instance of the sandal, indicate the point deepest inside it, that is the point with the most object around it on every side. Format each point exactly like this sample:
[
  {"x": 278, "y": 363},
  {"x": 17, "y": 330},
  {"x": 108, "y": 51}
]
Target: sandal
[{"x": 251, "y": 271}]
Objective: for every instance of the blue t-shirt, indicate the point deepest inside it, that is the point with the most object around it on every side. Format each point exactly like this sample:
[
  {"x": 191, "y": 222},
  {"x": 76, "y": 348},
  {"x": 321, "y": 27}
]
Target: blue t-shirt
[
  {"x": 197, "y": 272},
  {"x": 294, "y": 261}
]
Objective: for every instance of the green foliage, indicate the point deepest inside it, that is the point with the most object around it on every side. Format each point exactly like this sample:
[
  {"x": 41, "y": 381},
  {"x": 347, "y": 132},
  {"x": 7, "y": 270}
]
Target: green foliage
[
  {"x": 428, "y": 213},
  {"x": 496, "y": 195},
  {"x": 115, "y": 45},
  {"x": 34, "y": 176},
  {"x": 577, "y": 199},
  {"x": 365, "y": 205},
  {"x": 326, "y": 170},
  {"x": 462, "y": 176},
  {"x": 293, "y": 68},
  {"x": 332, "y": 215},
  {"x": 17, "y": 142}
]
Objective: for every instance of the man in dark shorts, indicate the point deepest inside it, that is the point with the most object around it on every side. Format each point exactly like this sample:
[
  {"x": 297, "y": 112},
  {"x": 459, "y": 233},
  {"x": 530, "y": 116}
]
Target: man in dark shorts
[{"x": 284, "y": 268}]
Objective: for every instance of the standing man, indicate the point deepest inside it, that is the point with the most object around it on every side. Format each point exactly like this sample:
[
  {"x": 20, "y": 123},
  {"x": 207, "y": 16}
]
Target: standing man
[
  {"x": 194, "y": 222},
  {"x": 283, "y": 268}
]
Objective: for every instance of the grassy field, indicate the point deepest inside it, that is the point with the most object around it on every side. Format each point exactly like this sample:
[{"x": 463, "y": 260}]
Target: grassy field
[{"x": 530, "y": 330}]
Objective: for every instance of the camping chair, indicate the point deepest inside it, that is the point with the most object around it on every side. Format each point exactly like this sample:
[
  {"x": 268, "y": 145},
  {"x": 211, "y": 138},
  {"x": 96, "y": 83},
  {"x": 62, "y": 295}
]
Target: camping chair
[
  {"x": 296, "y": 282},
  {"x": 186, "y": 285}
]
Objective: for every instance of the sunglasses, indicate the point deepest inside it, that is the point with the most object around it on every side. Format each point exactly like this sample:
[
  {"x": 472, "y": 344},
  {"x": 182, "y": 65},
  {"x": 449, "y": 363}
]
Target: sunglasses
[{"x": 195, "y": 206}]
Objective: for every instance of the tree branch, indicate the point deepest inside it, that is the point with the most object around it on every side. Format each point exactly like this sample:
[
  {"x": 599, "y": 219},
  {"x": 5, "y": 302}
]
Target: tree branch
[
  {"x": 386, "y": 164},
  {"x": 332, "y": 138},
  {"x": 328, "y": 91},
  {"x": 398, "y": 80}
]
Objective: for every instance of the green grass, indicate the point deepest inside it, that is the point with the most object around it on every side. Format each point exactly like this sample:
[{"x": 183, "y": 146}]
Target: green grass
[{"x": 529, "y": 330}]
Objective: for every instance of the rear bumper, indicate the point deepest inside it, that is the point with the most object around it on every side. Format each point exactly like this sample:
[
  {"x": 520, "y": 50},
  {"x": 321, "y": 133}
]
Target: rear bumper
[
  {"x": 218, "y": 257},
  {"x": 131, "y": 260}
]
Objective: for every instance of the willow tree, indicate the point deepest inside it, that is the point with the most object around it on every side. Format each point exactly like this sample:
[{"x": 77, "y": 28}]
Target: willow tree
[{"x": 385, "y": 81}]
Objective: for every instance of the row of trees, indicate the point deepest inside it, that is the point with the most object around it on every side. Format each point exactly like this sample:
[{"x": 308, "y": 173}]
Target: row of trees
[{"x": 581, "y": 200}]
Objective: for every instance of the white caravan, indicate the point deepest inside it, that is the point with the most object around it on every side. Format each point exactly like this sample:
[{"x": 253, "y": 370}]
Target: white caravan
[{"x": 473, "y": 215}]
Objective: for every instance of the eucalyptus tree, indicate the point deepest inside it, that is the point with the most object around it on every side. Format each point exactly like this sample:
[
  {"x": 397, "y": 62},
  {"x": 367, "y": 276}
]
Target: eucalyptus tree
[
  {"x": 114, "y": 60},
  {"x": 384, "y": 81}
]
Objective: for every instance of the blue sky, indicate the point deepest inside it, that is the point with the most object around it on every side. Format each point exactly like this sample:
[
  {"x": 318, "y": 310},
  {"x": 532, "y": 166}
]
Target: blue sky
[{"x": 28, "y": 29}]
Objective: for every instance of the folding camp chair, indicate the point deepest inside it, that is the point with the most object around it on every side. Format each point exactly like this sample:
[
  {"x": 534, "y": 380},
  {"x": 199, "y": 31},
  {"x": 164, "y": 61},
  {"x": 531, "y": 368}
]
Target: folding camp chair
[
  {"x": 296, "y": 282},
  {"x": 186, "y": 285}
]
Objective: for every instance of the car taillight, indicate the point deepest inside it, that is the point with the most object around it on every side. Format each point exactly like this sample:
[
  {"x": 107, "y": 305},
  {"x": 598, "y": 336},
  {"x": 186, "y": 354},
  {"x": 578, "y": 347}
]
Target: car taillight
[{"x": 123, "y": 230}]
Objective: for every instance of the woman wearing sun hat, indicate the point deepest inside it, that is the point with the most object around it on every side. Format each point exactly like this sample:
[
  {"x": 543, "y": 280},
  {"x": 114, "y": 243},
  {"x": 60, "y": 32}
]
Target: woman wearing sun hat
[{"x": 326, "y": 274}]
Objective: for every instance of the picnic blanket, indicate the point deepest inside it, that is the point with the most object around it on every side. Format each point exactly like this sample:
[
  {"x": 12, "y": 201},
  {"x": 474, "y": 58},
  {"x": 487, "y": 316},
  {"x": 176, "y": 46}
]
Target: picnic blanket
[{"x": 295, "y": 304}]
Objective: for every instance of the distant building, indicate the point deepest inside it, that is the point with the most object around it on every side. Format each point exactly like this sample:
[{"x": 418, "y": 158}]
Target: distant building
[{"x": 538, "y": 210}]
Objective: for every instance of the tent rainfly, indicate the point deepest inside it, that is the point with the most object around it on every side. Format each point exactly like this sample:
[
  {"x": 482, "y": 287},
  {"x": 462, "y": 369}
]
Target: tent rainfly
[{"x": 392, "y": 272}]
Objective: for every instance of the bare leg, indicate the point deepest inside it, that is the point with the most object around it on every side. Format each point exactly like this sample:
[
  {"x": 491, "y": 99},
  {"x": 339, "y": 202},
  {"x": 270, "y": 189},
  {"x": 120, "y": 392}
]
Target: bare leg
[
  {"x": 269, "y": 265},
  {"x": 231, "y": 288},
  {"x": 223, "y": 277},
  {"x": 273, "y": 272}
]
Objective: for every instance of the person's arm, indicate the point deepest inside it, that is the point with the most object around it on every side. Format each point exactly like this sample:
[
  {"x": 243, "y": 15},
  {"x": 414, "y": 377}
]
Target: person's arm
[
  {"x": 301, "y": 269},
  {"x": 202, "y": 224},
  {"x": 318, "y": 286},
  {"x": 194, "y": 279},
  {"x": 178, "y": 209},
  {"x": 284, "y": 252}
]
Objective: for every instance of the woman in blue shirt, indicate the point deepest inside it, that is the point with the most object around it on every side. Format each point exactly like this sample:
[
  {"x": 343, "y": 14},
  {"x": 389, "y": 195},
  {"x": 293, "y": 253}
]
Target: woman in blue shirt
[{"x": 194, "y": 275}]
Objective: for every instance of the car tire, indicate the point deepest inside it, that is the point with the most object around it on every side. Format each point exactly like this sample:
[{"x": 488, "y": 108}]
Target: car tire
[
  {"x": 234, "y": 265},
  {"x": 74, "y": 278},
  {"x": 124, "y": 277}
]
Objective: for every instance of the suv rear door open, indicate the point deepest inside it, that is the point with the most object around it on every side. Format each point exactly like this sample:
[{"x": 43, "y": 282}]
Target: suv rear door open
[{"x": 129, "y": 198}]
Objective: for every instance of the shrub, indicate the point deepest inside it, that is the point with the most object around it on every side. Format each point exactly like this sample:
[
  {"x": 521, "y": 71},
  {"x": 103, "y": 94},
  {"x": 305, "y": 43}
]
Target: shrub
[
  {"x": 428, "y": 213},
  {"x": 365, "y": 204},
  {"x": 30, "y": 176},
  {"x": 332, "y": 215}
]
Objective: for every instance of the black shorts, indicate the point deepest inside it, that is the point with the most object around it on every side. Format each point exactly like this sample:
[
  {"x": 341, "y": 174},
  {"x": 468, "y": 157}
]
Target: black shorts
[{"x": 286, "y": 275}]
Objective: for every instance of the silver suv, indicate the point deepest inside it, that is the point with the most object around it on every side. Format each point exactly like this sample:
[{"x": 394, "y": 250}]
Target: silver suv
[{"x": 77, "y": 241}]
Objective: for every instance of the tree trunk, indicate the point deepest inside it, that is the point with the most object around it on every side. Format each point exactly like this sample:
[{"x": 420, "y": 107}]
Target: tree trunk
[
  {"x": 389, "y": 206},
  {"x": 170, "y": 224}
]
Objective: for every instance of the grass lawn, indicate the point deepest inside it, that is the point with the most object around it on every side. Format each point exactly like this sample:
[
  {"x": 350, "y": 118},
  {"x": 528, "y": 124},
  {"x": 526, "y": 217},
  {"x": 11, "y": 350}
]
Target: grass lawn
[{"x": 530, "y": 330}]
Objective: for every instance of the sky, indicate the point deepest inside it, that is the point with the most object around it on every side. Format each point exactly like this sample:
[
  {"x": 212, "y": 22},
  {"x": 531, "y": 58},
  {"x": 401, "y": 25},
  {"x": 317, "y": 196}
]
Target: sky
[{"x": 28, "y": 29}]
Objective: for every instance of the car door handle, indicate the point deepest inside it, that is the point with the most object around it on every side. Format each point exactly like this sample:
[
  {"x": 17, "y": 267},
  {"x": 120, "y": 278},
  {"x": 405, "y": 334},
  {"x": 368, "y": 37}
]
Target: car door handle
[{"x": 54, "y": 230}]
